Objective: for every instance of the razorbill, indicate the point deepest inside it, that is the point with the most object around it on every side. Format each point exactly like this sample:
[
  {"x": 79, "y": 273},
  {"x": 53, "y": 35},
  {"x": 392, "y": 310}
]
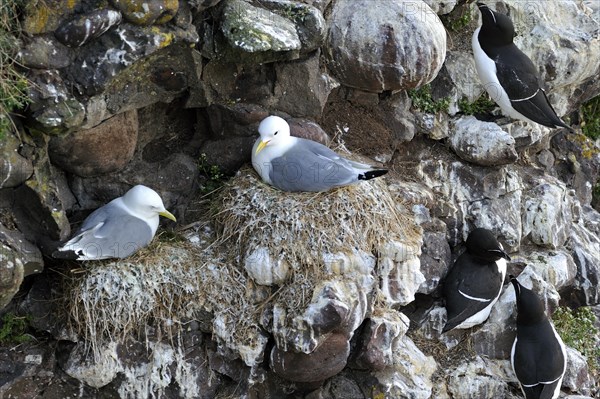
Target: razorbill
[
  {"x": 507, "y": 74},
  {"x": 538, "y": 355},
  {"x": 475, "y": 281},
  {"x": 296, "y": 164}
]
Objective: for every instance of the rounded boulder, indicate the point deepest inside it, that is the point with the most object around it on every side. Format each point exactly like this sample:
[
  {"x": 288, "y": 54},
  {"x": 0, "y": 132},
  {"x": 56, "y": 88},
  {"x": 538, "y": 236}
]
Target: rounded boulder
[{"x": 387, "y": 45}]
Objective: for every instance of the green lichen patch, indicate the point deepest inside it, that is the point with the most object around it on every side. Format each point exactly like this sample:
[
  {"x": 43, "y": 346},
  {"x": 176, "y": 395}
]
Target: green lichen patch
[
  {"x": 458, "y": 19},
  {"x": 13, "y": 84},
  {"x": 483, "y": 105},
  {"x": 215, "y": 178},
  {"x": 422, "y": 100},
  {"x": 13, "y": 329},
  {"x": 577, "y": 329},
  {"x": 590, "y": 118}
]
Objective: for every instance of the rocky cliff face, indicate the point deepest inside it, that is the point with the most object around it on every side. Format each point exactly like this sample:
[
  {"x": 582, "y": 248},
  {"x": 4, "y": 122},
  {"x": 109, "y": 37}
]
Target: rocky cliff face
[{"x": 256, "y": 293}]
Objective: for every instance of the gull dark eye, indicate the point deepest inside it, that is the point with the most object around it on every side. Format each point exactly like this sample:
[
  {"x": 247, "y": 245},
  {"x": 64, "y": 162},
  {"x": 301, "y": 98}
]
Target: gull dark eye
[{"x": 275, "y": 134}]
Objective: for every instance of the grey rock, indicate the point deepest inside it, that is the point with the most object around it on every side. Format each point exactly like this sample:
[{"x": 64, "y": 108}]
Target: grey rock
[
  {"x": 410, "y": 375},
  {"x": 45, "y": 52},
  {"x": 80, "y": 30},
  {"x": 253, "y": 29},
  {"x": 144, "y": 12},
  {"x": 342, "y": 387},
  {"x": 307, "y": 129},
  {"x": 374, "y": 350},
  {"x": 482, "y": 143},
  {"x": 202, "y": 5},
  {"x": 11, "y": 274},
  {"x": 477, "y": 378},
  {"x": 40, "y": 205},
  {"x": 584, "y": 242},
  {"x": 434, "y": 126},
  {"x": 325, "y": 361},
  {"x": 109, "y": 64},
  {"x": 396, "y": 112},
  {"x": 547, "y": 213},
  {"x": 577, "y": 377},
  {"x": 309, "y": 21},
  {"x": 14, "y": 168},
  {"x": 386, "y": 46},
  {"x": 435, "y": 260},
  {"x": 301, "y": 89},
  {"x": 53, "y": 110},
  {"x": 103, "y": 149},
  {"x": 399, "y": 269},
  {"x": 228, "y": 154},
  {"x": 28, "y": 254},
  {"x": 238, "y": 120},
  {"x": 441, "y": 7},
  {"x": 526, "y": 134}
]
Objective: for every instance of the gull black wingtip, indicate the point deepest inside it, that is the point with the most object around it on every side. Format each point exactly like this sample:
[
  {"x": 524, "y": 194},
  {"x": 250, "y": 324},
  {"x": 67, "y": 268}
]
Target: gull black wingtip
[{"x": 371, "y": 174}]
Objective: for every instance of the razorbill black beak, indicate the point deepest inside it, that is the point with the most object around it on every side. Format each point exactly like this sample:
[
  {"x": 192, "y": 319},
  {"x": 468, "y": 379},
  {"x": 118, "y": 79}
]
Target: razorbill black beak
[{"x": 500, "y": 252}]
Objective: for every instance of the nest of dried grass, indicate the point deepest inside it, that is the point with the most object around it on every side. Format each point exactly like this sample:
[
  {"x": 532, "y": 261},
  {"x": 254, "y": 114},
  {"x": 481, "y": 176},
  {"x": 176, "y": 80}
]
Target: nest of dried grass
[{"x": 168, "y": 284}]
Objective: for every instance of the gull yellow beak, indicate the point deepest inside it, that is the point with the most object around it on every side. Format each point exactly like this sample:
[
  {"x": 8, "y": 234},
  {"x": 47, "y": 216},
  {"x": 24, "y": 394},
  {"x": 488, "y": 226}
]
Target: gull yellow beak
[
  {"x": 168, "y": 215},
  {"x": 260, "y": 147}
]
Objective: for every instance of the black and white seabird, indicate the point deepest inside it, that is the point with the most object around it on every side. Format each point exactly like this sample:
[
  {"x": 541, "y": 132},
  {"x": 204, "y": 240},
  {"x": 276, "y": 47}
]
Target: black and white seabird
[
  {"x": 507, "y": 74},
  {"x": 538, "y": 355},
  {"x": 475, "y": 281}
]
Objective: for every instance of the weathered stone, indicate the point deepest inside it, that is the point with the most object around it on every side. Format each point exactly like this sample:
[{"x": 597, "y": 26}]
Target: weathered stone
[
  {"x": 526, "y": 134},
  {"x": 11, "y": 274},
  {"x": 202, "y": 5},
  {"x": 174, "y": 177},
  {"x": 240, "y": 119},
  {"x": 477, "y": 378},
  {"x": 374, "y": 350},
  {"x": 28, "y": 254},
  {"x": 228, "y": 154},
  {"x": 460, "y": 67},
  {"x": 396, "y": 112},
  {"x": 44, "y": 52},
  {"x": 40, "y": 204},
  {"x": 399, "y": 269},
  {"x": 584, "y": 242},
  {"x": 253, "y": 29},
  {"x": 310, "y": 24},
  {"x": 410, "y": 375},
  {"x": 14, "y": 168},
  {"x": 557, "y": 268},
  {"x": 265, "y": 270},
  {"x": 577, "y": 377},
  {"x": 337, "y": 306},
  {"x": 53, "y": 110},
  {"x": 435, "y": 260},
  {"x": 389, "y": 45},
  {"x": 547, "y": 215},
  {"x": 441, "y": 7},
  {"x": 108, "y": 64},
  {"x": 103, "y": 149},
  {"x": 482, "y": 143},
  {"x": 44, "y": 17},
  {"x": 301, "y": 89},
  {"x": 308, "y": 130},
  {"x": 147, "y": 12},
  {"x": 325, "y": 361},
  {"x": 489, "y": 198},
  {"x": 86, "y": 27}
]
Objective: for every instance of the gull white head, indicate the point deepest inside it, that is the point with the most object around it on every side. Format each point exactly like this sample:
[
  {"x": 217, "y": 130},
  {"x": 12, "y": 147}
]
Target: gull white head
[
  {"x": 273, "y": 130},
  {"x": 145, "y": 202}
]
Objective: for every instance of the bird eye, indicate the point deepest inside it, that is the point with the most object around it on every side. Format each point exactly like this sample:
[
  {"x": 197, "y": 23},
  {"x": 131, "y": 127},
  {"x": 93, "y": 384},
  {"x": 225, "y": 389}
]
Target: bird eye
[{"x": 275, "y": 134}]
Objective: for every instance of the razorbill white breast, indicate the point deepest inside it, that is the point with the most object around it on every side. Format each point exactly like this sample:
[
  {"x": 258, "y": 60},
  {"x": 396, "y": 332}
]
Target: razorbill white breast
[
  {"x": 475, "y": 281},
  {"x": 507, "y": 74}
]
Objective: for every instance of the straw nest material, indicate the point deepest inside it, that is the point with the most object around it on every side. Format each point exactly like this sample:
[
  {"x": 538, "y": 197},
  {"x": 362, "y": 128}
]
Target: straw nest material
[{"x": 169, "y": 284}]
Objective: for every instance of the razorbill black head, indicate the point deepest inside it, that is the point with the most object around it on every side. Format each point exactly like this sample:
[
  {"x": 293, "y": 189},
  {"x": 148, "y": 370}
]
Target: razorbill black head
[
  {"x": 538, "y": 355},
  {"x": 475, "y": 281},
  {"x": 507, "y": 74},
  {"x": 483, "y": 244}
]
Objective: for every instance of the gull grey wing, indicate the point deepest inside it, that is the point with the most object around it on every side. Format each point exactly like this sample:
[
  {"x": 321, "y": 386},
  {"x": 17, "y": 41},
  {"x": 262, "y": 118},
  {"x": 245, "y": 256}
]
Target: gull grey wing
[
  {"x": 109, "y": 232},
  {"x": 310, "y": 166}
]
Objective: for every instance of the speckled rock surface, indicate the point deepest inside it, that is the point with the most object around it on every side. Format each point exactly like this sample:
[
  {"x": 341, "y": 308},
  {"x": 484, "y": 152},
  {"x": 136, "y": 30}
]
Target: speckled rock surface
[{"x": 389, "y": 45}]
